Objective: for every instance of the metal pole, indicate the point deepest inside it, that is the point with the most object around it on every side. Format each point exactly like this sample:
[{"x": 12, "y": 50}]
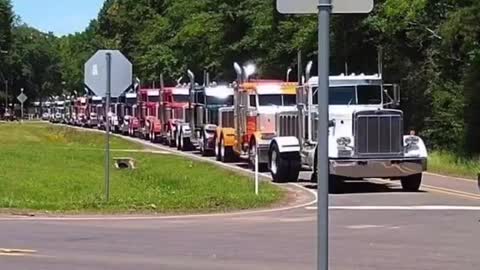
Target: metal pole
[
  {"x": 107, "y": 127},
  {"x": 324, "y": 10}
]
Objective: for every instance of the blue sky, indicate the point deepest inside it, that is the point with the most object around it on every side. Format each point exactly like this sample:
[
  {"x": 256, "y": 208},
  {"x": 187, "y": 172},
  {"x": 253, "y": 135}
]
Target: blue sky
[{"x": 58, "y": 16}]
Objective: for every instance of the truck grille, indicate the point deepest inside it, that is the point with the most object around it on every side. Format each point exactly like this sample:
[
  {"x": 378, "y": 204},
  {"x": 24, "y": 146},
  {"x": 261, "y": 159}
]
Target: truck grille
[
  {"x": 287, "y": 124},
  {"x": 228, "y": 120},
  {"x": 378, "y": 133}
]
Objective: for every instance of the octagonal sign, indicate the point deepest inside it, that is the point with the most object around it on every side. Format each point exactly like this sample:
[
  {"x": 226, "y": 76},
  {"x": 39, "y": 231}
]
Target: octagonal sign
[{"x": 96, "y": 73}]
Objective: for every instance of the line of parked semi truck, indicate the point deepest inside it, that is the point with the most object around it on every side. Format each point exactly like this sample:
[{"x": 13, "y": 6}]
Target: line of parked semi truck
[{"x": 272, "y": 120}]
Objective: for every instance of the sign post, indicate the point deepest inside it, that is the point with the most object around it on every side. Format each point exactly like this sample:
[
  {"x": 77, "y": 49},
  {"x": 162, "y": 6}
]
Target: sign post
[
  {"x": 107, "y": 125},
  {"x": 99, "y": 70},
  {"x": 22, "y": 98},
  {"x": 324, "y": 8}
]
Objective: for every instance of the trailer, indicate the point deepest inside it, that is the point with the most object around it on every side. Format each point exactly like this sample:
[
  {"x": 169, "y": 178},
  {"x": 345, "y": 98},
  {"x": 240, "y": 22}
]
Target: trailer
[
  {"x": 366, "y": 138},
  {"x": 255, "y": 106},
  {"x": 205, "y": 103}
]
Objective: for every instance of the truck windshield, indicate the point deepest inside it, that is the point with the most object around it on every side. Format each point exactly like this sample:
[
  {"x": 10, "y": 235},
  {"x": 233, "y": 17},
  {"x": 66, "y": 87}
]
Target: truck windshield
[
  {"x": 153, "y": 98},
  {"x": 277, "y": 100},
  {"x": 270, "y": 100},
  {"x": 352, "y": 95},
  {"x": 131, "y": 100},
  {"x": 227, "y": 101},
  {"x": 181, "y": 98}
]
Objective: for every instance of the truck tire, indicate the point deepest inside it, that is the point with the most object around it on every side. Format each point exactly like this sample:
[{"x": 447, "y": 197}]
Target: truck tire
[
  {"x": 226, "y": 153},
  {"x": 284, "y": 167},
  {"x": 184, "y": 143},
  {"x": 411, "y": 183}
]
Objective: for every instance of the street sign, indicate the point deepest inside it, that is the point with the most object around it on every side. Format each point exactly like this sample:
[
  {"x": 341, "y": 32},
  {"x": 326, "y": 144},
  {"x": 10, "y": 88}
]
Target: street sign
[
  {"x": 311, "y": 6},
  {"x": 22, "y": 98},
  {"x": 96, "y": 73}
]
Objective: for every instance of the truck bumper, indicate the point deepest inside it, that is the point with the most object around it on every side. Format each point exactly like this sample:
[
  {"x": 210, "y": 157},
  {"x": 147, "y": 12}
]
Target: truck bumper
[{"x": 377, "y": 168}]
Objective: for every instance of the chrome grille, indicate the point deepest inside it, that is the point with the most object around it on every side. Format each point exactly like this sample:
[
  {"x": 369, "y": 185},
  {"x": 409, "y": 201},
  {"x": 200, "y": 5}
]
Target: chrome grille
[
  {"x": 287, "y": 124},
  {"x": 227, "y": 119},
  {"x": 378, "y": 133}
]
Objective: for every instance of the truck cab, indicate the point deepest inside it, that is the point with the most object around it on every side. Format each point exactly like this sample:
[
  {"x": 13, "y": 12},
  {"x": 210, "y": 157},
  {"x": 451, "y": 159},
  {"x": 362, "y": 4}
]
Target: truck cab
[
  {"x": 366, "y": 138},
  {"x": 173, "y": 111},
  {"x": 81, "y": 111},
  {"x": 95, "y": 112},
  {"x": 200, "y": 128},
  {"x": 255, "y": 106},
  {"x": 128, "y": 111},
  {"x": 146, "y": 112}
]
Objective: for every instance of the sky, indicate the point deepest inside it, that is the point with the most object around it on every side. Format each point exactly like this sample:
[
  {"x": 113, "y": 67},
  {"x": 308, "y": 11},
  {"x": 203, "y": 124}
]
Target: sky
[{"x": 62, "y": 17}]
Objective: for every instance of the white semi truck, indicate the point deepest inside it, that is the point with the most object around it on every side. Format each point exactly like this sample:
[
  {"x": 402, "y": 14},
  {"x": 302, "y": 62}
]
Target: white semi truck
[{"x": 366, "y": 138}]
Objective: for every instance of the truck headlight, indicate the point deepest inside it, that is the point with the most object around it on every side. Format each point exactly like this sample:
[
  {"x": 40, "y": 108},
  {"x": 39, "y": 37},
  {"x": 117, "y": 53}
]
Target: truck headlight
[
  {"x": 344, "y": 141},
  {"x": 412, "y": 140},
  {"x": 267, "y": 136}
]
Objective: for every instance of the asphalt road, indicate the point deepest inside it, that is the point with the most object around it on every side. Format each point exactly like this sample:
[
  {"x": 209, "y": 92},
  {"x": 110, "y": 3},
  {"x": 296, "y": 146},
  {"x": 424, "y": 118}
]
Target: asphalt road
[{"x": 374, "y": 225}]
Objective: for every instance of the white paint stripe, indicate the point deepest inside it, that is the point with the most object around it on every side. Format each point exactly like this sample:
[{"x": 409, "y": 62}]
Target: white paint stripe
[{"x": 413, "y": 207}]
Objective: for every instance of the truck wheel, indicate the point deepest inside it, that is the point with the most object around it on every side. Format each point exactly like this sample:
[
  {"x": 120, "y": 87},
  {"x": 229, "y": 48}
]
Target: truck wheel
[
  {"x": 226, "y": 153},
  {"x": 284, "y": 167},
  {"x": 411, "y": 183},
  {"x": 179, "y": 142},
  {"x": 202, "y": 146}
]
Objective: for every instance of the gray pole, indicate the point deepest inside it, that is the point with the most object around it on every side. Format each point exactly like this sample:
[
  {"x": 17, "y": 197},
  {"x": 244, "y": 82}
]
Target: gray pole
[
  {"x": 107, "y": 127},
  {"x": 324, "y": 10}
]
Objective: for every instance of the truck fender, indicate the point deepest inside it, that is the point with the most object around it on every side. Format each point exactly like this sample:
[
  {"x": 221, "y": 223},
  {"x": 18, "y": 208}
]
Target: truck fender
[
  {"x": 229, "y": 136},
  {"x": 286, "y": 144},
  {"x": 420, "y": 150}
]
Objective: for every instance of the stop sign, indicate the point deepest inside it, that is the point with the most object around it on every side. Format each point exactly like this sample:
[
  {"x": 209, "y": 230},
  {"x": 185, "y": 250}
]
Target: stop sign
[{"x": 96, "y": 73}]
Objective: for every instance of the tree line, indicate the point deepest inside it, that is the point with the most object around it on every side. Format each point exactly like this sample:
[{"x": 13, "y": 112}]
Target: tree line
[{"x": 431, "y": 48}]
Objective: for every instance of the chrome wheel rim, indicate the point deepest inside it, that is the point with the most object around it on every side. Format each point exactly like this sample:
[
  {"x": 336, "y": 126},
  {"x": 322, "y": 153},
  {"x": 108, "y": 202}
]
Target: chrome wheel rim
[{"x": 273, "y": 163}]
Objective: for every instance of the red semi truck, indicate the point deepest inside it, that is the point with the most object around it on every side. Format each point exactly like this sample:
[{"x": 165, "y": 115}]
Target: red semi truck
[
  {"x": 145, "y": 113},
  {"x": 173, "y": 110}
]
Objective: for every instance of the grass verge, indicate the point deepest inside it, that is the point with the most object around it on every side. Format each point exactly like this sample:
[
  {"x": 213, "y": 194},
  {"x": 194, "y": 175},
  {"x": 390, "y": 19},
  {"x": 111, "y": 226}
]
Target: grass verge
[
  {"x": 447, "y": 163},
  {"x": 60, "y": 169}
]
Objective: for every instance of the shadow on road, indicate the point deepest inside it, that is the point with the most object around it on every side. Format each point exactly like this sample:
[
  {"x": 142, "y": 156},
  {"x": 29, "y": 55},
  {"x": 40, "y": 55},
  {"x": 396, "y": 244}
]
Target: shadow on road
[{"x": 361, "y": 187}]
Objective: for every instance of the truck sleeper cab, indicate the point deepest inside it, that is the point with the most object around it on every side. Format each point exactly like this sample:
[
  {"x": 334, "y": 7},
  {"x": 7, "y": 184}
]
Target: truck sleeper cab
[
  {"x": 199, "y": 131},
  {"x": 365, "y": 138},
  {"x": 173, "y": 111},
  {"x": 129, "y": 101},
  {"x": 254, "y": 125}
]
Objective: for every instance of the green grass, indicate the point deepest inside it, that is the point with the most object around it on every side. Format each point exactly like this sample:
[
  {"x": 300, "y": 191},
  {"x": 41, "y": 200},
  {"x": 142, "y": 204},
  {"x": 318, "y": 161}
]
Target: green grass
[
  {"x": 453, "y": 165},
  {"x": 44, "y": 167}
]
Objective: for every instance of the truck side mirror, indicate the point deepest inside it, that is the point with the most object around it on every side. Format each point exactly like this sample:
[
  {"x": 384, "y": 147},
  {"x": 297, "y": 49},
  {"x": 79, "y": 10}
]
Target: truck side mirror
[{"x": 396, "y": 94}]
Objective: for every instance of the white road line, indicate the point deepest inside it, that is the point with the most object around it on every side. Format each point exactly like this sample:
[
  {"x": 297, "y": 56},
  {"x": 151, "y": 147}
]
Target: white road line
[{"x": 413, "y": 207}]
